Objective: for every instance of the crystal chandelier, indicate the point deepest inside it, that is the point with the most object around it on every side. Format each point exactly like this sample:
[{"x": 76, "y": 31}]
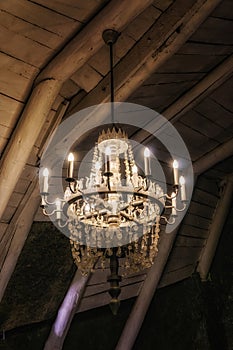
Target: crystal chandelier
[{"x": 115, "y": 212}]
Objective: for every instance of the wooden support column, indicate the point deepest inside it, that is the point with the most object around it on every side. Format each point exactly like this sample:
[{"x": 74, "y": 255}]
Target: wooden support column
[
  {"x": 216, "y": 227},
  {"x": 24, "y": 137},
  {"x": 66, "y": 312},
  {"x": 135, "y": 320}
]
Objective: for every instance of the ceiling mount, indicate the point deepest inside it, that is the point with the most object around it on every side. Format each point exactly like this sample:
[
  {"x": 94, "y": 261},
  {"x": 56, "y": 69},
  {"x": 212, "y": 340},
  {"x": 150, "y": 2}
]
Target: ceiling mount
[{"x": 110, "y": 36}]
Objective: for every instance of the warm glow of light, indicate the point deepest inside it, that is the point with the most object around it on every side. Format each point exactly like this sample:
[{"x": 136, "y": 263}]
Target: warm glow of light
[
  {"x": 70, "y": 157},
  {"x": 175, "y": 164},
  {"x": 97, "y": 165},
  {"x": 147, "y": 152},
  {"x": 108, "y": 151},
  {"x": 134, "y": 169},
  {"x": 57, "y": 202},
  {"x": 45, "y": 172},
  {"x": 182, "y": 180}
]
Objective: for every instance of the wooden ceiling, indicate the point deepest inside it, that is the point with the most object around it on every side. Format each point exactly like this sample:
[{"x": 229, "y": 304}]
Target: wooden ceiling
[{"x": 172, "y": 56}]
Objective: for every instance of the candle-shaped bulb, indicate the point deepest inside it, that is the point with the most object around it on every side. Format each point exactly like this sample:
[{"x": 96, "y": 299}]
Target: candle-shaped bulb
[
  {"x": 71, "y": 165},
  {"x": 45, "y": 172},
  {"x": 147, "y": 152},
  {"x": 46, "y": 180},
  {"x": 182, "y": 180},
  {"x": 175, "y": 172},
  {"x": 70, "y": 157},
  {"x": 134, "y": 169},
  {"x": 147, "y": 161},
  {"x": 182, "y": 189},
  {"x": 175, "y": 164}
]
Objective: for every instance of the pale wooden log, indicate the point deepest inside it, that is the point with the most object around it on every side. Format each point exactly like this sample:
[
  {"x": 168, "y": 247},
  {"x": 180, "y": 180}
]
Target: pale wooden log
[
  {"x": 26, "y": 133},
  {"x": 213, "y": 157},
  {"x": 66, "y": 312},
  {"x": 166, "y": 36},
  {"x": 134, "y": 322},
  {"x": 216, "y": 227},
  {"x": 18, "y": 231},
  {"x": 115, "y": 16}
]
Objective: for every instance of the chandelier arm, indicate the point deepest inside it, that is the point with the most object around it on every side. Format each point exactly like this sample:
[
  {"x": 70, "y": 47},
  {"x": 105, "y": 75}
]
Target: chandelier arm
[
  {"x": 71, "y": 189},
  {"x": 167, "y": 221},
  {"x": 182, "y": 209},
  {"x": 60, "y": 225},
  {"x": 46, "y": 200},
  {"x": 169, "y": 197},
  {"x": 48, "y": 214}
]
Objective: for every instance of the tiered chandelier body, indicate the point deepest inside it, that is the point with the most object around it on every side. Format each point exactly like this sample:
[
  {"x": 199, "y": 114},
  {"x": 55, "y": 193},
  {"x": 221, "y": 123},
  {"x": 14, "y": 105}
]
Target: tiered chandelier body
[{"x": 115, "y": 212}]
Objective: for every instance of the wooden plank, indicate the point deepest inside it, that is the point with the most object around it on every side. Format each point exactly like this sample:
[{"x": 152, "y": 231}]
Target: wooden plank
[
  {"x": 10, "y": 110},
  {"x": 30, "y": 31},
  {"x": 184, "y": 241},
  {"x": 92, "y": 290},
  {"x": 86, "y": 77},
  {"x": 224, "y": 10},
  {"x": 162, "y": 4},
  {"x": 23, "y": 48},
  {"x": 202, "y": 210},
  {"x": 41, "y": 16},
  {"x": 20, "y": 75},
  {"x": 176, "y": 276},
  {"x": 142, "y": 23},
  {"x": 102, "y": 299},
  {"x": 192, "y": 231},
  {"x": 196, "y": 48},
  {"x": 189, "y": 63},
  {"x": 216, "y": 31},
  {"x": 192, "y": 138},
  {"x": 201, "y": 124},
  {"x": 76, "y": 9},
  {"x": 3, "y": 143},
  {"x": 197, "y": 221},
  {"x": 3, "y": 227}
]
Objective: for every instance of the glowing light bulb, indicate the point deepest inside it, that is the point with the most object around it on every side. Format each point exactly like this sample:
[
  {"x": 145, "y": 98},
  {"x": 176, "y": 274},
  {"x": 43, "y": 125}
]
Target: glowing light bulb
[
  {"x": 71, "y": 165},
  {"x": 182, "y": 189},
  {"x": 70, "y": 157},
  {"x": 134, "y": 169},
  {"x": 175, "y": 164},
  {"x": 175, "y": 172},
  {"x": 182, "y": 180},
  {"x": 147, "y": 152},
  {"x": 46, "y": 180}
]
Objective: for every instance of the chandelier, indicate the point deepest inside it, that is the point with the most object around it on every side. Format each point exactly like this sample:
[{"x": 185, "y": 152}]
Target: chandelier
[{"x": 115, "y": 212}]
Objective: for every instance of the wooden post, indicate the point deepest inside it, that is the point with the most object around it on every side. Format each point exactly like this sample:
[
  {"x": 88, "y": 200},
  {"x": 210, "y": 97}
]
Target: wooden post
[
  {"x": 215, "y": 230},
  {"x": 24, "y": 137},
  {"x": 66, "y": 312},
  {"x": 135, "y": 320}
]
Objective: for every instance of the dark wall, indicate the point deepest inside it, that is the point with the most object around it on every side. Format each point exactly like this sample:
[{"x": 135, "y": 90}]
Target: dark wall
[{"x": 187, "y": 315}]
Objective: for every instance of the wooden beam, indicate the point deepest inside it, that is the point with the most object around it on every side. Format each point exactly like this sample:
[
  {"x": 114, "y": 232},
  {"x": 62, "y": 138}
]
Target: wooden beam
[
  {"x": 24, "y": 137},
  {"x": 157, "y": 45},
  {"x": 215, "y": 156},
  {"x": 66, "y": 312},
  {"x": 216, "y": 227},
  {"x": 17, "y": 232},
  {"x": 136, "y": 317},
  {"x": 116, "y": 15}
]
